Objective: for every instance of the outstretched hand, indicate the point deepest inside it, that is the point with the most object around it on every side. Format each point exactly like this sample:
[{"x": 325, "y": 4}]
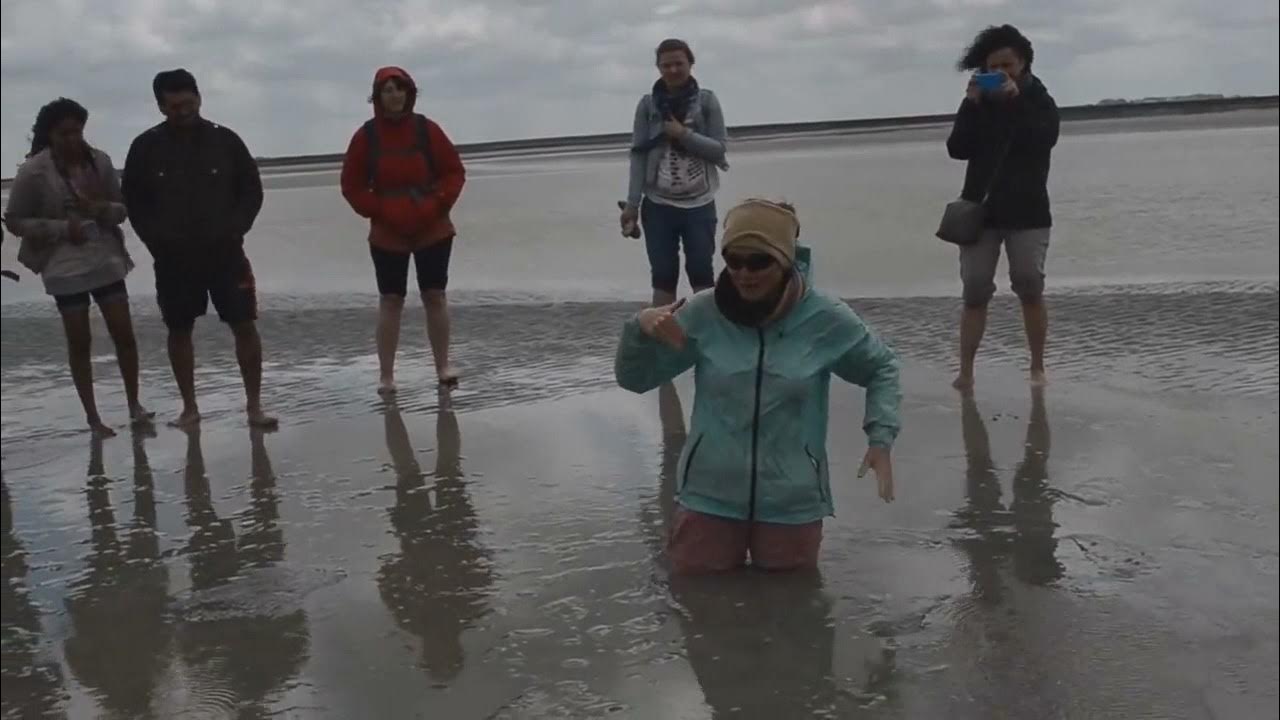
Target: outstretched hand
[
  {"x": 880, "y": 461},
  {"x": 660, "y": 324}
]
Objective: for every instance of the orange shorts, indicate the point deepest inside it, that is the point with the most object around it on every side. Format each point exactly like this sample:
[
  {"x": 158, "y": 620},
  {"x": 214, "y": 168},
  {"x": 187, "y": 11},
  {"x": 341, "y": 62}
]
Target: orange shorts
[{"x": 702, "y": 543}]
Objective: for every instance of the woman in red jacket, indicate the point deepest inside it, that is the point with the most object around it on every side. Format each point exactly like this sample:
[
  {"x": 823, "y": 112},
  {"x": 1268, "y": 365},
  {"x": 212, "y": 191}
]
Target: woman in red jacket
[{"x": 402, "y": 172}]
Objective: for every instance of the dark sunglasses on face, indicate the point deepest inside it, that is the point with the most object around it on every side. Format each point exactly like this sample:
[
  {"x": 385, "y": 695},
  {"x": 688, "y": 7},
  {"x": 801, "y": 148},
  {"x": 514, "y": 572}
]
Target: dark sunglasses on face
[{"x": 754, "y": 262}]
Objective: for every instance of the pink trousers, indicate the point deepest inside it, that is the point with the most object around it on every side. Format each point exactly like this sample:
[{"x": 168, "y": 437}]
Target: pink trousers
[{"x": 701, "y": 544}]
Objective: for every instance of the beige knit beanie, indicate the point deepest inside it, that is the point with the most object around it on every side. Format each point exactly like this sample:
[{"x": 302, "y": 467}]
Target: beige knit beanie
[{"x": 762, "y": 226}]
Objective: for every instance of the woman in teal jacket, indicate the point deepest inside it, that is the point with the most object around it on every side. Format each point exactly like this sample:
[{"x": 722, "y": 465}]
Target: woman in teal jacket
[{"x": 753, "y": 477}]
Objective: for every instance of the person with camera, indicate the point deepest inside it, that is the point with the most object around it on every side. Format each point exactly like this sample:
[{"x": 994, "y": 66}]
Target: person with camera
[{"x": 1005, "y": 130}]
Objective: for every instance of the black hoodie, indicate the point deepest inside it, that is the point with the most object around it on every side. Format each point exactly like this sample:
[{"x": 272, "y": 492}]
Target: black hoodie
[{"x": 1028, "y": 124}]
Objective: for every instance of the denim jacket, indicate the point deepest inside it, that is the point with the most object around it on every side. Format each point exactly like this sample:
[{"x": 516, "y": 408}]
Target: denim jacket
[{"x": 707, "y": 139}]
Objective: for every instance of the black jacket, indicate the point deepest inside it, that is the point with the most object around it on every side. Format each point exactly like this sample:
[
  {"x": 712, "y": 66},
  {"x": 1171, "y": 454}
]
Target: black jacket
[
  {"x": 192, "y": 194},
  {"x": 1019, "y": 198}
]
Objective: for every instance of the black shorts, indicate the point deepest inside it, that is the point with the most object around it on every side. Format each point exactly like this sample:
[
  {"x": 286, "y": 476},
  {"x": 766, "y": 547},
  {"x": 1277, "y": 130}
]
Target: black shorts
[
  {"x": 114, "y": 292},
  {"x": 184, "y": 290},
  {"x": 392, "y": 269}
]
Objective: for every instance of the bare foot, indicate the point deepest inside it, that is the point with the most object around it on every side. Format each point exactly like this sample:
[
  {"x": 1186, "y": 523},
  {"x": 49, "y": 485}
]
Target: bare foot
[
  {"x": 188, "y": 420},
  {"x": 1039, "y": 379},
  {"x": 100, "y": 430},
  {"x": 261, "y": 420},
  {"x": 963, "y": 382},
  {"x": 449, "y": 376},
  {"x": 387, "y": 386},
  {"x": 139, "y": 415}
]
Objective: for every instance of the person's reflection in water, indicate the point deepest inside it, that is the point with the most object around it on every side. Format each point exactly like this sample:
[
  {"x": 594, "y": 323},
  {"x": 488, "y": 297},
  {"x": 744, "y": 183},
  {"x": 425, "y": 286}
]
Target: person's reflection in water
[
  {"x": 436, "y": 586},
  {"x": 261, "y": 538},
  {"x": 1035, "y": 548},
  {"x": 761, "y": 645},
  {"x": 671, "y": 416},
  {"x": 983, "y": 511},
  {"x": 33, "y": 686},
  {"x": 244, "y": 632},
  {"x": 1024, "y": 531},
  {"x": 119, "y": 607}
]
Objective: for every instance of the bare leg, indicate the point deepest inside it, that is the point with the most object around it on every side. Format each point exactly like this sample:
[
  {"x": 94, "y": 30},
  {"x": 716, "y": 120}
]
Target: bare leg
[
  {"x": 663, "y": 297},
  {"x": 249, "y": 355},
  {"x": 1035, "y": 319},
  {"x": 120, "y": 326},
  {"x": 973, "y": 325},
  {"x": 182, "y": 358},
  {"x": 75, "y": 321},
  {"x": 390, "y": 308},
  {"x": 437, "y": 305}
]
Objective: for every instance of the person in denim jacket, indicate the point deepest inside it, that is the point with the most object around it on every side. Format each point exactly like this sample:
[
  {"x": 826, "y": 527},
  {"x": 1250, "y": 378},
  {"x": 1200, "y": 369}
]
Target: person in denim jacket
[{"x": 677, "y": 153}]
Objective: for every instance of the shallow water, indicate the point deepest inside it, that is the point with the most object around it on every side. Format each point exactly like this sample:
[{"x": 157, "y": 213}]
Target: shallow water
[
  {"x": 1105, "y": 549},
  {"x": 1147, "y": 200}
]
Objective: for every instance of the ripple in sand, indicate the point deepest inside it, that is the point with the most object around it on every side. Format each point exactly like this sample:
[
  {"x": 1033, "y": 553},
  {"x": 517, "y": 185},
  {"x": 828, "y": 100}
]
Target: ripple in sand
[{"x": 1217, "y": 339}]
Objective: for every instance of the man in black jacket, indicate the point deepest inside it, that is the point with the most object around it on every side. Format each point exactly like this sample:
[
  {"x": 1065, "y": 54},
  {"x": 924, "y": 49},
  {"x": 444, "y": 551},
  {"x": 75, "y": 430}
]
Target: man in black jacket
[
  {"x": 1006, "y": 135},
  {"x": 193, "y": 191}
]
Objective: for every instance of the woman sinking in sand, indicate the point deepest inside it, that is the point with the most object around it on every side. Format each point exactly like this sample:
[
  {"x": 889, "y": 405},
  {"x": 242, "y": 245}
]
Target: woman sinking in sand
[{"x": 753, "y": 478}]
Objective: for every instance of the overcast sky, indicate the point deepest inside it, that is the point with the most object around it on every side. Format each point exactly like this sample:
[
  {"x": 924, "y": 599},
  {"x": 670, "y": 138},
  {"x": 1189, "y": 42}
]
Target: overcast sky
[{"x": 293, "y": 77}]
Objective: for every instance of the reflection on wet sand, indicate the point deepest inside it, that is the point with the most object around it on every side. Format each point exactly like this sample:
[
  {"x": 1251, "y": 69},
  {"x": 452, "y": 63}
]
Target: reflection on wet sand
[
  {"x": 1024, "y": 531},
  {"x": 437, "y": 584},
  {"x": 243, "y": 638},
  {"x": 671, "y": 417},
  {"x": 121, "y": 630},
  {"x": 760, "y": 645},
  {"x": 33, "y": 686}
]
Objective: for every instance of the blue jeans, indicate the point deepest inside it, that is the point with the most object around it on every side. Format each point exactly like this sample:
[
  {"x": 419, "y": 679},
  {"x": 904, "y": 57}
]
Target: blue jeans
[{"x": 665, "y": 227}]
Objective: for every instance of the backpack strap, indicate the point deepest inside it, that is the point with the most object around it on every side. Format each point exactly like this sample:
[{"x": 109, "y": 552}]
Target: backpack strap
[
  {"x": 424, "y": 143},
  {"x": 372, "y": 152},
  {"x": 373, "y": 148}
]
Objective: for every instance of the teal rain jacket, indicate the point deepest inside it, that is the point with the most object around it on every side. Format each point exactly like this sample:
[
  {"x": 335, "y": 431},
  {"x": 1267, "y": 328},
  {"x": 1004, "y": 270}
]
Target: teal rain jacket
[{"x": 757, "y": 448}]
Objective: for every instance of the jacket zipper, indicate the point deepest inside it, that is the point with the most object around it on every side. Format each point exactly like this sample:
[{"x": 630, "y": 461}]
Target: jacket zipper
[
  {"x": 755, "y": 429},
  {"x": 817, "y": 469}
]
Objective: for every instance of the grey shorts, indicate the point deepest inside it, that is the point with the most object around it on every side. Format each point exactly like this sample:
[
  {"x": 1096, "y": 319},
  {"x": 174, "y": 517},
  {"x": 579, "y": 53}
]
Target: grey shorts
[{"x": 1026, "y": 250}]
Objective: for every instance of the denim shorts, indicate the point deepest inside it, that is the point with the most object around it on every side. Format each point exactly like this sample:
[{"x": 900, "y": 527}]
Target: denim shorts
[
  {"x": 666, "y": 228},
  {"x": 113, "y": 292}
]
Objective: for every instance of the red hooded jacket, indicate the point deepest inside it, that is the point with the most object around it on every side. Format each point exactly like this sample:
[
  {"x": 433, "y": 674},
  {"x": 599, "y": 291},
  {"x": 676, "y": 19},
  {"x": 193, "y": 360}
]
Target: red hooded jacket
[{"x": 400, "y": 220}]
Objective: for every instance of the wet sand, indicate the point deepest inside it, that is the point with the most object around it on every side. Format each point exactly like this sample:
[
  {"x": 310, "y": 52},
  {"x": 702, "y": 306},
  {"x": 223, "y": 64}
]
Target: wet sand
[{"x": 1106, "y": 550}]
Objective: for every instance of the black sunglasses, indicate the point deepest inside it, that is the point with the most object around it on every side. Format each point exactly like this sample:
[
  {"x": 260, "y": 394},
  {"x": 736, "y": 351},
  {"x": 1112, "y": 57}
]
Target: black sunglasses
[{"x": 754, "y": 262}]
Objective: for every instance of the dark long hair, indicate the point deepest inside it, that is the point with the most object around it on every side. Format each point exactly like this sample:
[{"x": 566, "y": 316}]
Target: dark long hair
[
  {"x": 992, "y": 39},
  {"x": 49, "y": 117}
]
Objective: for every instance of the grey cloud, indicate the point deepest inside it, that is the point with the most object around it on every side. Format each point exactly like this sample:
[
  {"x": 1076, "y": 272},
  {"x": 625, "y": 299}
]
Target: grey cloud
[{"x": 294, "y": 78}]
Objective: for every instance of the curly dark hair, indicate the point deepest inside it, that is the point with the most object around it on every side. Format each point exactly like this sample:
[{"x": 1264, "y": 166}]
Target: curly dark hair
[
  {"x": 49, "y": 117},
  {"x": 992, "y": 39}
]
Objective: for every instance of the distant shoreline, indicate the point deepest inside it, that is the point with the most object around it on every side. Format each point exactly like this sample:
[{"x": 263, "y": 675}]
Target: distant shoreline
[
  {"x": 766, "y": 130},
  {"x": 533, "y": 146}
]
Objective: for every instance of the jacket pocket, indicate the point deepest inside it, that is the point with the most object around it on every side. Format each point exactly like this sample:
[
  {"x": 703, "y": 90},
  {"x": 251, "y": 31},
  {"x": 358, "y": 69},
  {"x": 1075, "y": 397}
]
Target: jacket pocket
[
  {"x": 688, "y": 463},
  {"x": 817, "y": 473}
]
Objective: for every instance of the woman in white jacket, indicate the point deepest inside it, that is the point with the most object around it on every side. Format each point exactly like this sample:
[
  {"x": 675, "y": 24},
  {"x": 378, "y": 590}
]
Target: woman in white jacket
[{"x": 66, "y": 206}]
